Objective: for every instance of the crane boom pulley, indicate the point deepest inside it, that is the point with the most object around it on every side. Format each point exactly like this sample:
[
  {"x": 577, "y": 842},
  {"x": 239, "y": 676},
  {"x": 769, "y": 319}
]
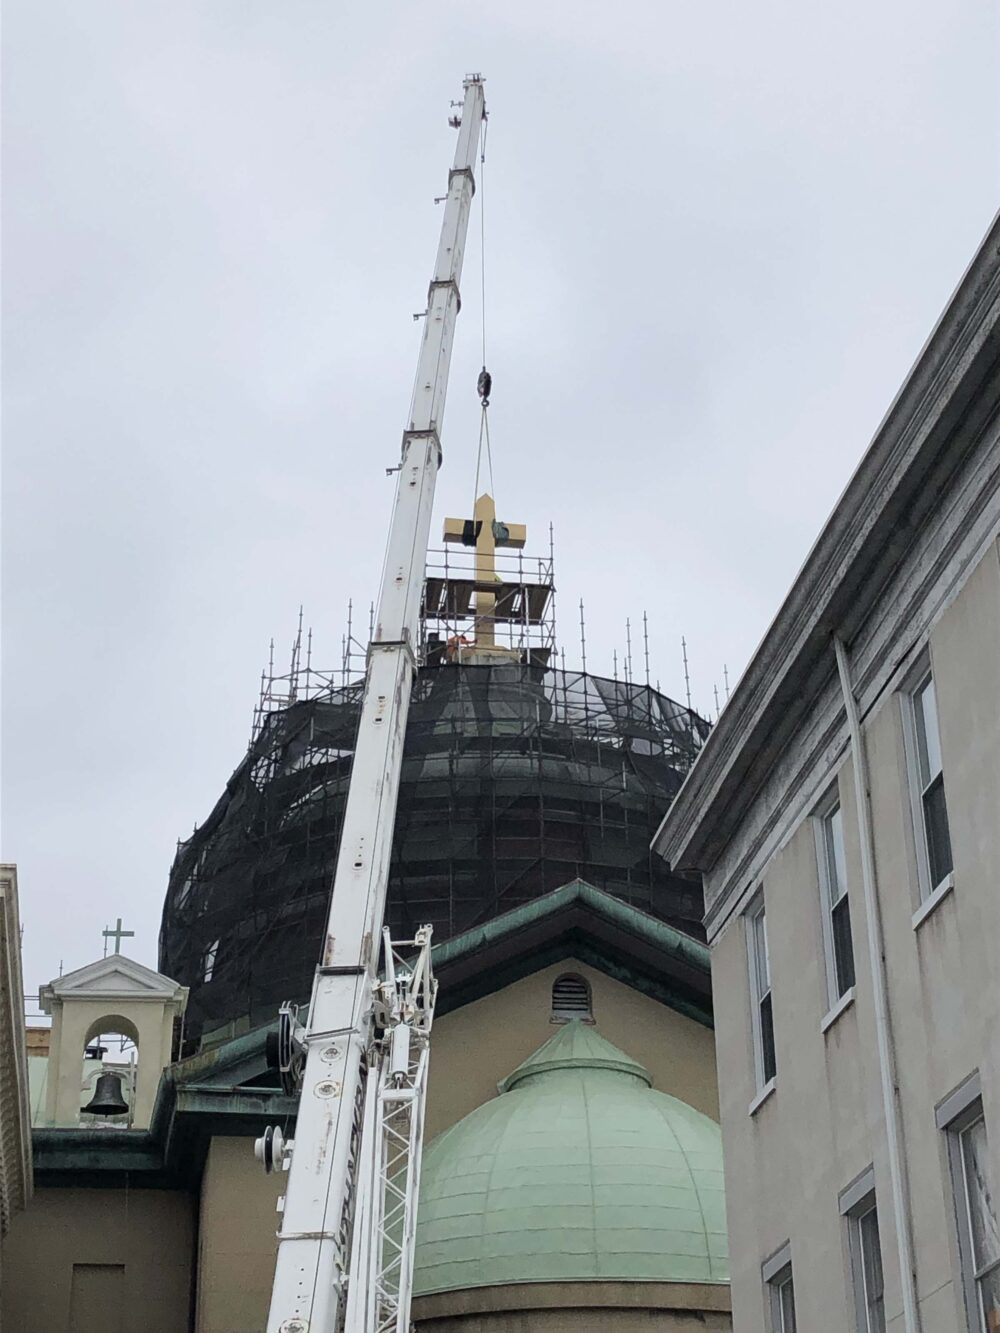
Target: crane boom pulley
[{"x": 345, "y": 1244}]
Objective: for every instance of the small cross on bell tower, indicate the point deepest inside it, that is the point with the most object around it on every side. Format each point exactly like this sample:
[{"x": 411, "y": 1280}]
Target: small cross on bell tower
[{"x": 117, "y": 935}]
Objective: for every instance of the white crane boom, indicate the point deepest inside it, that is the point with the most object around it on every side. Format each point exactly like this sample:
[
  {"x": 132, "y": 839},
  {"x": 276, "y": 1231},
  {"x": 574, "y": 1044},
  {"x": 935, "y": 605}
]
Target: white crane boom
[{"x": 363, "y": 1049}]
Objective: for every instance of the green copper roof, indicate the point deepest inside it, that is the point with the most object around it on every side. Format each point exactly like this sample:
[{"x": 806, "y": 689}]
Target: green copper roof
[
  {"x": 672, "y": 941},
  {"x": 579, "y": 1170},
  {"x": 575, "y": 1046}
]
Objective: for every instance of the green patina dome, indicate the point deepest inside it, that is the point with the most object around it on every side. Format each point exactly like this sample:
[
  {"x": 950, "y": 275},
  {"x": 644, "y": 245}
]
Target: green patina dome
[{"x": 579, "y": 1170}]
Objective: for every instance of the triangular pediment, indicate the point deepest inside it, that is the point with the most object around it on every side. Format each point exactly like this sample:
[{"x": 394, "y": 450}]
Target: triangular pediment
[{"x": 116, "y": 976}]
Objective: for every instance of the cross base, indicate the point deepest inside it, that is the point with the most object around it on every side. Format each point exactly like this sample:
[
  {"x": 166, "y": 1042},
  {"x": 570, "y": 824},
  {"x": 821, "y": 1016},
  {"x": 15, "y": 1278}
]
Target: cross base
[{"x": 482, "y": 654}]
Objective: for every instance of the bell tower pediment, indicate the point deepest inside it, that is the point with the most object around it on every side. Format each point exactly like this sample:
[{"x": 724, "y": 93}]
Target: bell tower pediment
[{"x": 115, "y": 976}]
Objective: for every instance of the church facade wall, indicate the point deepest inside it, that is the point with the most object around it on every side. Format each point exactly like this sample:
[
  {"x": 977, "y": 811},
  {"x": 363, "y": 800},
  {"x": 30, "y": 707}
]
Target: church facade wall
[{"x": 100, "y": 1261}]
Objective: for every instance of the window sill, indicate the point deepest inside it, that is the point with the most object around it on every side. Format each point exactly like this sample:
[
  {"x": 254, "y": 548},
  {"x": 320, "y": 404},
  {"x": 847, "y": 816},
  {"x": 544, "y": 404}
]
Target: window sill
[
  {"x": 844, "y": 1003},
  {"x": 931, "y": 903},
  {"x": 762, "y": 1096}
]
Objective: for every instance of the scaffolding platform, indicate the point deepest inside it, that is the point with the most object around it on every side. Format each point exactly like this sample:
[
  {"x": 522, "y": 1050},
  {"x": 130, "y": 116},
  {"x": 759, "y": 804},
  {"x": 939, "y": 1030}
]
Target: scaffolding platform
[{"x": 453, "y": 600}]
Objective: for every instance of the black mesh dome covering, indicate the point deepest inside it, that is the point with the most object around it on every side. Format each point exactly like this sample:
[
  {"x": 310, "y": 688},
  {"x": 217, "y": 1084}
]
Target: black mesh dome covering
[{"x": 516, "y": 779}]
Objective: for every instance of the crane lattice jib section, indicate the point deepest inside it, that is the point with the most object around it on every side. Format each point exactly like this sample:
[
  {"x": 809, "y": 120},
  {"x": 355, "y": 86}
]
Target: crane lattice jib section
[{"x": 516, "y": 779}]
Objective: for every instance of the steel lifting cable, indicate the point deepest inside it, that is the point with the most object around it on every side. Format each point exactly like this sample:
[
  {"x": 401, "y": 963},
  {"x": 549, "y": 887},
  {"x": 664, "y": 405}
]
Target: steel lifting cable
[
  {"x": 482, "y": 231},
  {"x": 484, "y": 384}
]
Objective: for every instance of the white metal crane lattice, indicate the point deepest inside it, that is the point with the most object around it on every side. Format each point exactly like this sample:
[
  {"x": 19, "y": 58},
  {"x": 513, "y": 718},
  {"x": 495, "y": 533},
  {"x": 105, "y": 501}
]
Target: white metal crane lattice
[{"x": 386, "y": 1210}]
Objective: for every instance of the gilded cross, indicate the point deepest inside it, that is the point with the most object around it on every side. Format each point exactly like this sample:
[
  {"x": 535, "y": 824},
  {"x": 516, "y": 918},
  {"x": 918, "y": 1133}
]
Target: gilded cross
[
  {"x": 117, "y": 935},
  {"x": 486, "y": 535}
]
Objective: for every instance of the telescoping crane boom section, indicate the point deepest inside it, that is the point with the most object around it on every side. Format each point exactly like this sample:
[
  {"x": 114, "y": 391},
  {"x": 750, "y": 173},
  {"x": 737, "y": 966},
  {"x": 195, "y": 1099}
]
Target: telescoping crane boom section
[{"x": 345, "y": 1242}]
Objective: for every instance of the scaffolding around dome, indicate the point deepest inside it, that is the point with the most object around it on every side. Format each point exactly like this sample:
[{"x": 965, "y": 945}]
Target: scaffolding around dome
[{"x": 516, "y": 779}]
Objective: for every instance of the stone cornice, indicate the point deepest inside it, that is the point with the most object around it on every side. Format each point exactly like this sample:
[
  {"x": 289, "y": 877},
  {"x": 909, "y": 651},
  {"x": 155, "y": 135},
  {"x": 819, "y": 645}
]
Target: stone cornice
[
  {"x": 935, "y": 421},
  {"x": 582, "y": 1295}
]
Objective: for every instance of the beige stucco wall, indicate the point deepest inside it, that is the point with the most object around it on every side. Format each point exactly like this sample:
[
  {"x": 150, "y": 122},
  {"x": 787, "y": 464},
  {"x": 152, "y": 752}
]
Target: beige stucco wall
[
  {"x": 236, "y": 1239},
  {"x": 476, "y": 1046},
  {"x": 786, "y": 1164},
  {"x": 148, "y": 1232}
]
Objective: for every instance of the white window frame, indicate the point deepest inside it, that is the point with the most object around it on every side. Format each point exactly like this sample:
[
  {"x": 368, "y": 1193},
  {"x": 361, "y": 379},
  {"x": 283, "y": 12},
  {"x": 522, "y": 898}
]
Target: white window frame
[
  {"x": 821, "y": 827},
  {"x": 917, "y": 788},
  {"x": 761, "y": 988},
  {"x": 776, "y": 1273},
  {"x": 958, "y": 1113},
  {"x": 858, "y": 1202}
]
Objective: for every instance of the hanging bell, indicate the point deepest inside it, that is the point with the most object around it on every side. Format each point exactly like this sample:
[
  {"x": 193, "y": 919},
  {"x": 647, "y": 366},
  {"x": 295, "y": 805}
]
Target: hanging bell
[{"x": 107, "y": 1098}]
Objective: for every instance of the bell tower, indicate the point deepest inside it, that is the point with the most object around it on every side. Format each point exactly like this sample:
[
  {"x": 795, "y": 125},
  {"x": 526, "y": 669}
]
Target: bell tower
[{"x": 114, "y": 995}]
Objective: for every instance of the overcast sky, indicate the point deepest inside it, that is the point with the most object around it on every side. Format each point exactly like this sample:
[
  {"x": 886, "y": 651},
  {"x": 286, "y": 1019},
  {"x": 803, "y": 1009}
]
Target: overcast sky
[{"x": 717, "y": 237}]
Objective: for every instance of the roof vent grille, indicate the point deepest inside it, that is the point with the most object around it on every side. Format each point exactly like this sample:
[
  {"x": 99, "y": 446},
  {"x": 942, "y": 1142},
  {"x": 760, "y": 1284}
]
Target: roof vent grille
[{"x": 571, "y": 999}]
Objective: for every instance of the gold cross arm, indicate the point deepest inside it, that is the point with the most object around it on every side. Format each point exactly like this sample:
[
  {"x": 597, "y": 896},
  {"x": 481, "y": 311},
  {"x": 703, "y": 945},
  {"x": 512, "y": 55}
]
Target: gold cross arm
[{"x": 484, "y": 530}]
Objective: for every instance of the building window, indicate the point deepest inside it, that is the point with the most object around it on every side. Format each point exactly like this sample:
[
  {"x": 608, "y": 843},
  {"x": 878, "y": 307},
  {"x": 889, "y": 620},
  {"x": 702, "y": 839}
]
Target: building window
[
  {"x": 976, "y": 1208},
  {"x": 836, "y": 908},
  {"x": 571, "y": 999},
  {"x": 857, "y": 1204},
  {"x": 981, "y": 1221},
  {"x": 869, "y": 1271},
  {"x": 780, "y": 1291},
  {"x": 760, "y": 995},
  {"x": 930, "y": 811}
]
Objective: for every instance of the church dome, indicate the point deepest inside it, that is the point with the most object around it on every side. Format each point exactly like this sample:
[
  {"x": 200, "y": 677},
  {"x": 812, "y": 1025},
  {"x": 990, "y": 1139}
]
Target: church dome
[
  {"x": 515, "y": 780},
  {"x": 578, "y": 1171}
]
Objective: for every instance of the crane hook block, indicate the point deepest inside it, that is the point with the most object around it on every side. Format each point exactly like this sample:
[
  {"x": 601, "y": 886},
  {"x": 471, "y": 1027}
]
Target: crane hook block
[{"x": 484, "y": 386}]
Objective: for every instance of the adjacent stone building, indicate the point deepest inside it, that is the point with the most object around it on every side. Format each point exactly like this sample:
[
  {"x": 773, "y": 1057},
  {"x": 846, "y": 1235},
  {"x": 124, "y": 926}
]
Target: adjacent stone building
[{"x": 844, "y": 818}]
